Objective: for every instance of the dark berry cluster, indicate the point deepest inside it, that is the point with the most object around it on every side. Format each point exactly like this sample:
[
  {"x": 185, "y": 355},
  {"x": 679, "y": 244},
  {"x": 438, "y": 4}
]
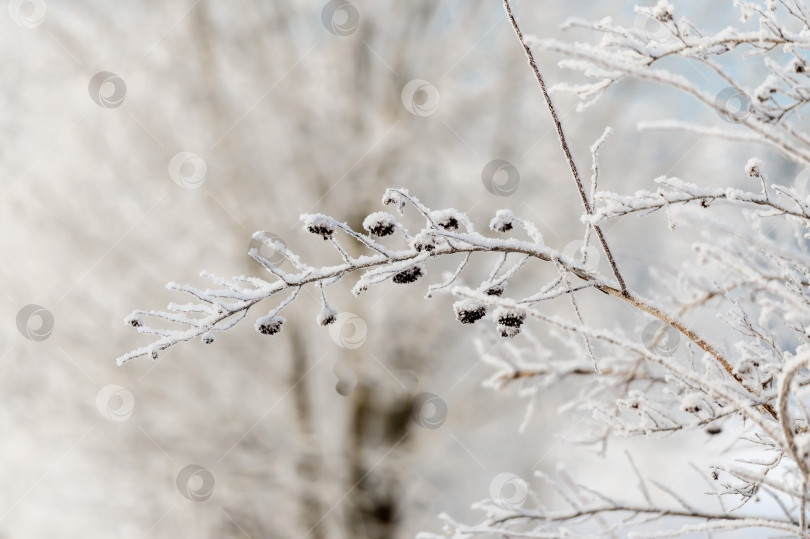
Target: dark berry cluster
[
  {"x": 449, "y": 223},
  {"x": 327, "y": 316},
  {"x": 469, "y": 312},
  {"x": 509, "y": 321},
  {"x": 425, "y": 242},
  {"x": 382, "y": 229},
  {"x": 322, "y": 229},
  {"x": 380, "y": 224},
  {"x": 504, "y": 221},
  {"x": 270, "y": 326},
  {"x": 409, "y": 275},
  {"x": 495, "y": 289}
]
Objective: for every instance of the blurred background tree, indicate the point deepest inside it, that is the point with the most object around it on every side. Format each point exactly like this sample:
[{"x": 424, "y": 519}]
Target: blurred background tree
[{"x": 288, "y": 116}]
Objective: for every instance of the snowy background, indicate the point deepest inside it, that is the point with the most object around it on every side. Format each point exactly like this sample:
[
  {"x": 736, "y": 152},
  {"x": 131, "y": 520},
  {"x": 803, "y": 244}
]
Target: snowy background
[{"x": 283, "y": 108}]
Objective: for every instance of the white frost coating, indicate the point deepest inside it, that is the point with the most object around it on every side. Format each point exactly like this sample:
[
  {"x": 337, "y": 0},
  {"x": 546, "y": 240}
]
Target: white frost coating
[
  {"x": 269, "y": 324},
  {"x": 380, "y": 224},
  {"x": 452, "y": 220},
  {"x": 663, "y": 11},
  {"x": 720, "y": 350},
  {"x": 504, "y": 221},
  {"x": 320, "y": 224},
  {"x": 754, "y": 167},
  {"x": 326, "y": 316}
]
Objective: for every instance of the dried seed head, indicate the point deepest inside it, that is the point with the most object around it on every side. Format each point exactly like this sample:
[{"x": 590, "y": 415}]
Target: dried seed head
[
  {"x": 409, "y": 275},
  {"x": 395, "y": 198},
  {"x": 450, "y": 223},
  {"x": 509, "y": 317},
  {"x": 663, "y": 11},
  {"x": 504, "y": 221},
  {"x": 450, "y": 219},
  {"x": 134, "y": 321},
  {"x": 269, "y": 325},
  {"x": 207, "y": 338},
  {"x": 769, "y": 86},
  {"x": 359, "y": 288},
  {"x": 508, "y": 331},
  {"x": 754, "y": 167},
  {"x": 319, "y": 224},
  {"x": 469, "y": 312},
  {"x": 380, "y": 224},
  {"x": 495, "y": 289},
  {"x": 425, "y": 241},
  {"x": 327, "y": 316}
]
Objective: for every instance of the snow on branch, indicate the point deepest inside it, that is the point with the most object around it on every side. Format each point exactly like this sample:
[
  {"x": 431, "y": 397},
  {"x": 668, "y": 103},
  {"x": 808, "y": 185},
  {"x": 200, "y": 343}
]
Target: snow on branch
[
  {"x": 750, "y": 383},
  {"x": 770, "y": 111},
  {"x": 446, "y": 232}
]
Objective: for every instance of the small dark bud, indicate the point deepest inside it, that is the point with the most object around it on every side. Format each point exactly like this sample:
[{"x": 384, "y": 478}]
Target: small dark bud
[
  {"x": 393, "y": 197},
  {"x": 207, "y": 338},
  {"x": 664, "y": 16},
  {"x": 496, "y": 289},
  {"x": 663, "y": 11},
  {"x": 134, "y": 321},
  {"x": 504, "y": 221},
  {"x": 713, "y": 429}
]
